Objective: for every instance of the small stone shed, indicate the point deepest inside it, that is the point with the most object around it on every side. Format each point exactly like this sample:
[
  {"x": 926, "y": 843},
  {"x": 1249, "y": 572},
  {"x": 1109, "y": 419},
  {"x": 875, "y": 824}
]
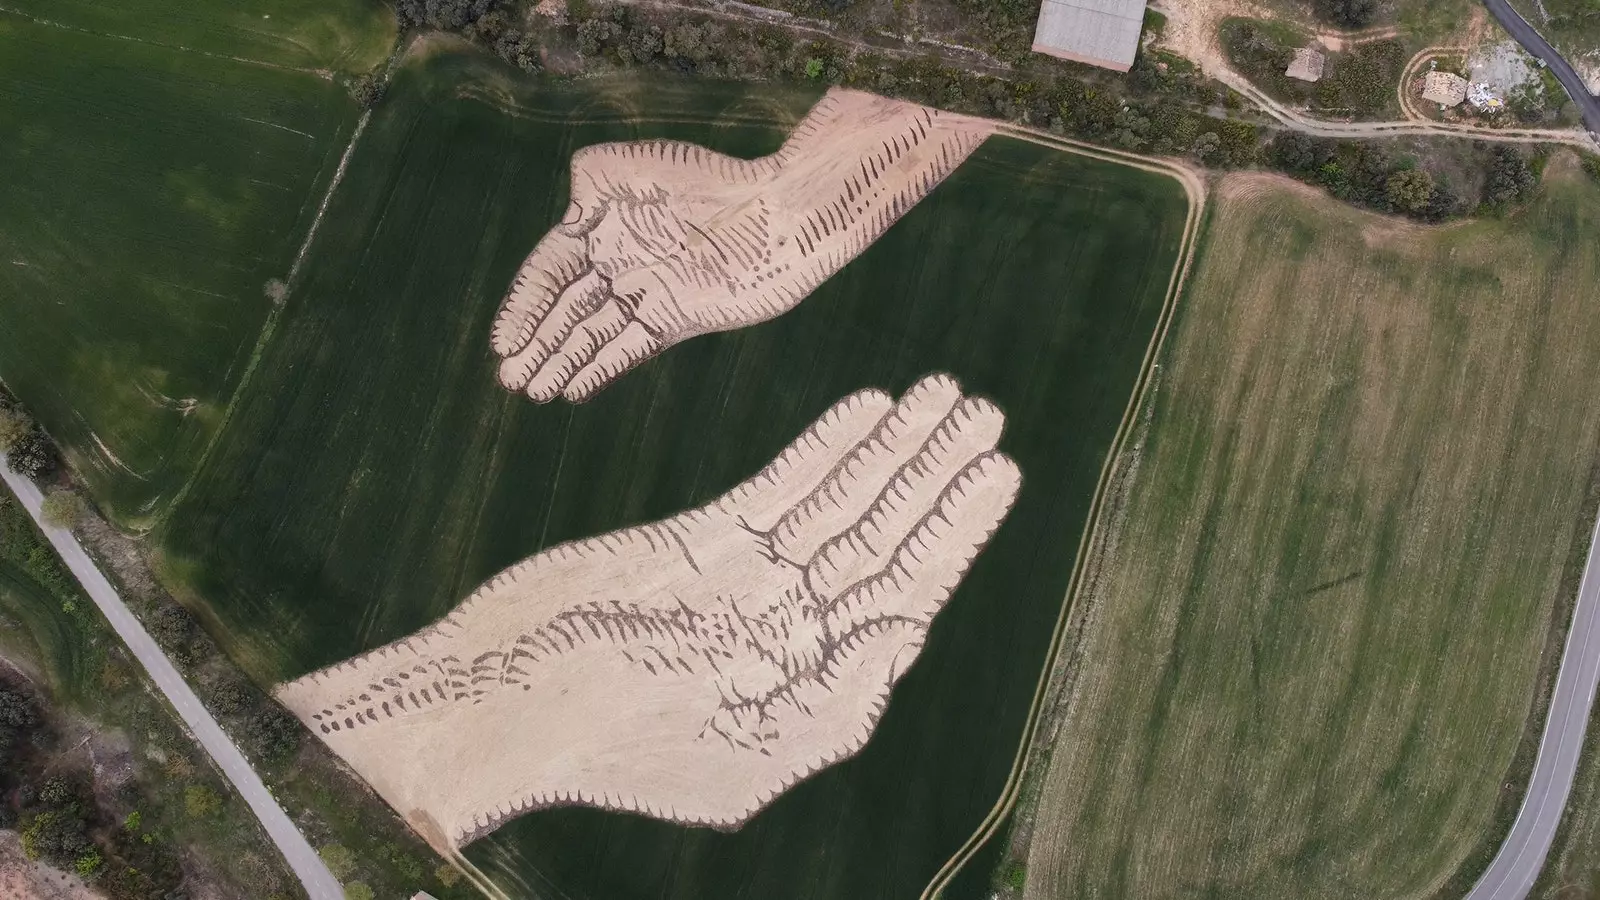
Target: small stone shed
[
  {"x": 1307, "y": 64},
  {"x": 1444, "y": 88}
]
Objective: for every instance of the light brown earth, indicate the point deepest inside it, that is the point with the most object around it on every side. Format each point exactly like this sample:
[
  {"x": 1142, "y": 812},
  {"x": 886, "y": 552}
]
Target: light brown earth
[
  {"x": 695, "y": 668},
  {"x": 665, "y": 240}
]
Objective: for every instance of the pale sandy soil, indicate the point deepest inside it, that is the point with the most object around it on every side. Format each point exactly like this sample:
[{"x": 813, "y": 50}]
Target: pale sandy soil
[
  {"x": 695, "y": 668},
  {"x": 665, "y": 240},
  {"x": 21, "y": 879},
  {"x": 1588, "y": 66}
]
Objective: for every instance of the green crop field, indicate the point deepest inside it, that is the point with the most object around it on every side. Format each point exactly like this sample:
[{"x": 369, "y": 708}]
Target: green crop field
[
  {"x": 342, "y": 35},
  {"x": 1312, "y": 650},
  {"x": 373, "y": 472},
  {"x": 149, "y": 196}
]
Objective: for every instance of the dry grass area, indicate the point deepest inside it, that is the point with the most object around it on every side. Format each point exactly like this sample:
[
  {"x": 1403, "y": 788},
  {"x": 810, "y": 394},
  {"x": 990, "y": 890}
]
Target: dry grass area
[{"x": 1312, "y": 656}]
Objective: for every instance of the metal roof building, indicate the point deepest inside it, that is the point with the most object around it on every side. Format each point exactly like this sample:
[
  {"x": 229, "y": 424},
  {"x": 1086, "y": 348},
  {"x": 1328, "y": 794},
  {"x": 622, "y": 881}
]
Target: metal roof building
[{"x": 1098, "y": 32}]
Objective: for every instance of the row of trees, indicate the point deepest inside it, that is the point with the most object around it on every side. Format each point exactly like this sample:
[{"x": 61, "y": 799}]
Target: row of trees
[
  {"x": 268, "y": 731},
  {"x": 1367, "y": 175}
]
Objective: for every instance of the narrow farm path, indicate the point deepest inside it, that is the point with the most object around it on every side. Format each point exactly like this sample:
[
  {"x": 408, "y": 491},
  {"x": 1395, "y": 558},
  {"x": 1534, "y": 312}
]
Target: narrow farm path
[
  {"x": 1194, "y": 187},
  {"x": 313, "y": 874}
]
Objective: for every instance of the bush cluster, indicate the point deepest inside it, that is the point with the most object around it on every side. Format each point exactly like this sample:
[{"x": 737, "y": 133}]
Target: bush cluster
[
  {"x": 1510, "y": 179},
  {"x": 29, "y": 449},
  {"x": 1365, "y": 175},
  {"x": 60, "y": 821},
  {"x": 1348, "y": 13},
  {"x": 450, "y": 15},
  {"x": 1591, "y": 165}
]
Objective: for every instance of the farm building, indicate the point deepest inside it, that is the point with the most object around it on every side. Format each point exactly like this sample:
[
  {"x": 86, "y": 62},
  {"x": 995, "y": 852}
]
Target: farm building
[
  {"x": 1444, "y": 88},
  {"x": 1098, "y": 32},
  {"x": 1483, "y": 98},
  {"x": 1307, "y": 65}
]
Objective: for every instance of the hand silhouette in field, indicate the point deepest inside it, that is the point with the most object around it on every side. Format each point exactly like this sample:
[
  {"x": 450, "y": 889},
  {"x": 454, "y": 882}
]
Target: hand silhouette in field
[
  {"x": 694, "y": 668},
  {"x": 664, "y": 240}
]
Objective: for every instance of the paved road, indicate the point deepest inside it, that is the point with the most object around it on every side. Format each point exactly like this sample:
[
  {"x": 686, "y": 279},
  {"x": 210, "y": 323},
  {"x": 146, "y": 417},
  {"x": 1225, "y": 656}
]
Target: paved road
[
  {"x": 1511, "y": 875},
  {"x": 318, "y": 881},
  {"x": 1534, "y": 43}
]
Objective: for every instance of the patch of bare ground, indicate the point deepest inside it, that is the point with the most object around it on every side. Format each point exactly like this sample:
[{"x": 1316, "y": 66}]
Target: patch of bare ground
[{"x": 1313, "y": 651}]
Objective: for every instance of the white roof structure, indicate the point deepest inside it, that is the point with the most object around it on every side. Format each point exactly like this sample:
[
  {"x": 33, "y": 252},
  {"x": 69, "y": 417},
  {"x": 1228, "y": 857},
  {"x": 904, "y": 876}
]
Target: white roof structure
[
  {"x": 1444, "y": 88},
  {"x": 1307, "y": 65},
  {"x": 1098, "y": 32},
  {"x": 1483, "y": 97}
]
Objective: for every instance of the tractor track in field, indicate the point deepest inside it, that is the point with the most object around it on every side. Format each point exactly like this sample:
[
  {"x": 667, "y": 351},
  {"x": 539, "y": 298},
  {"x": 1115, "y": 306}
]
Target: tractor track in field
[{"x": 324, "y": 74}]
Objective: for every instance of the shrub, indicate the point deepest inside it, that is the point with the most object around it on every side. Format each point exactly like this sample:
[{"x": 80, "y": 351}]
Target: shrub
[
  {"x": 58, "y": 836},
  {"x": 356, "y": 890},
  {"x": 340, "y": 860},
  {"x": 32, "y": 455},
  {"x": 62, "y": 508},
  {"x": 200, "y": 802},
  {"x": 1591, "y": 164},
  {"x": 1510, "y": 178},
  {"x": 88, "y": 865},
  {"x": 14, "y": 423},
  {"x": 450, "y": 14},
  {"x": 1348, "y": 13},
  {"x": 274, "y": 733},
  {"x": 367, "y": 91},
  {"x": 1409, "y": 190}
]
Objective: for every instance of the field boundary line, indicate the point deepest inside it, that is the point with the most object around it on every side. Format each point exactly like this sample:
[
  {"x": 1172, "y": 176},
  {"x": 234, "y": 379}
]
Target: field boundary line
[
  {"x": 1194, "y": 188},
  {"x": 268, "y": 328}
]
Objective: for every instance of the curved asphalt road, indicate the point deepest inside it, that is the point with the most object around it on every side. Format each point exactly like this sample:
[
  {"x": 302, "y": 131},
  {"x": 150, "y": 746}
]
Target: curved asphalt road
[
  {"x": 1535, "y": 44},
  {"x": 314, "y": 875},
  {"x": 1517, "y": 865}
]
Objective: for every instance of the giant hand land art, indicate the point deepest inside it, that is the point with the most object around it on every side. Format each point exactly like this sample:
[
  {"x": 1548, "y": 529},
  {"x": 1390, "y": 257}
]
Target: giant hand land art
[{"x": 694, "y": 668}]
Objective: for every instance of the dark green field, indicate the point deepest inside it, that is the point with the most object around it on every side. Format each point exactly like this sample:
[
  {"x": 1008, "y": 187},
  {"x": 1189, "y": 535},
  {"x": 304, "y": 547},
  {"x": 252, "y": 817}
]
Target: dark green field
[
  {"x": 374, "y": 472},
  {"x": 346, "y": 35},
  {"x": 148, "y": 196}
]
